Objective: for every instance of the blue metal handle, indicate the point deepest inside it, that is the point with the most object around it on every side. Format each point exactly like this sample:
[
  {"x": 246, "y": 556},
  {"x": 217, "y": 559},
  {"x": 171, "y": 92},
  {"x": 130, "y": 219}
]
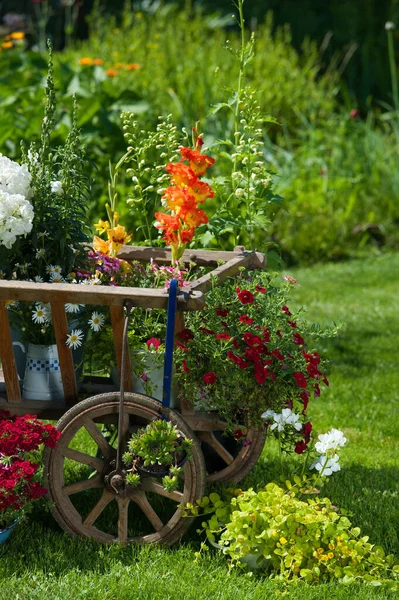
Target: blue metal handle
[{"x": 169, "y": 343}]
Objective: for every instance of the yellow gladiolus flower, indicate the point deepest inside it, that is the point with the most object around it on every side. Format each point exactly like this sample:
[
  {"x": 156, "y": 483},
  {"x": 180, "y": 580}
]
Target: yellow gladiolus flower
[
  {"x": 102, "y": 226},
  {"x": 17, "y": 35},
  {"x": 118, "y": 237},
  {"x": 100, "y": 245}
]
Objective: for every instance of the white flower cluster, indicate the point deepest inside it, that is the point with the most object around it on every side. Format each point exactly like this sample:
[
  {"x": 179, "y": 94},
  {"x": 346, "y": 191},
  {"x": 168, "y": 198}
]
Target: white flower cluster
[
  {"x": 280, "y": 420},
  {"x": 16, "y": 212},
  {"x": 327, "y": 445}
]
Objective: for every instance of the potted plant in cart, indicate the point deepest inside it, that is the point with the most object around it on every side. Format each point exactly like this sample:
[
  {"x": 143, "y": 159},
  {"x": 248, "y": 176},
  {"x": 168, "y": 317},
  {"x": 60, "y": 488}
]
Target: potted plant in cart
[
  {"x": 158, "y": 450},
  {"x": 21, "y": 441}
]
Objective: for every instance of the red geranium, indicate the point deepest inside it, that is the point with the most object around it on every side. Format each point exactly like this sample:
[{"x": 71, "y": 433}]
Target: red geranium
[
  {"x": 210, "y": 377},
  {"x": 300, "y": 379}
]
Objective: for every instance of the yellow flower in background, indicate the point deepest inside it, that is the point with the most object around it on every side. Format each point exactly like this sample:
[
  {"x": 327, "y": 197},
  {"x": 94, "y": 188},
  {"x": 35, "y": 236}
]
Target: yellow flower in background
[
  {"x": 86, "y": 61},
  {"x": 102, "y": 226},
  {"x": 17, "y": 35},
  {"x": 7, "y": 45},
  {"x": 100, "y": 245}
]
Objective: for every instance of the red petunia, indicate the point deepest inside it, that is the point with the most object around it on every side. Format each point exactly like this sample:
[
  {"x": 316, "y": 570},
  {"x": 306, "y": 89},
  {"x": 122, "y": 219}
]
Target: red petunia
[
  {"x": 292, "y": 323},
  {"x": 300, "y": 379},
  {"x": 205, "y": 330},
  {"x": 277, "y": 354},
  {"x": 245, "y": 297},
  {"x": 261, "y": 374},
  {"x": 243, "y": 364},
  {"x": 245, "y": 319},
  {"x": 300, "y": 447},
  {"x": 222, "y": 312},
  {"x": 210, "y": 377},
  {"x": 153, "y": 343},
  {"x": 238, "y": 434},
  {"x": 223, "y": 336},
  {"x": 185, "y": 335},
  {"x": 298, "y": 339},
  {"x": 260, "y": 289},
  {"x": 305, "y": 399},
  {"x": 286, "y": 310},
  {"x": 185, "y": 367},
  {"x": 316, "y": 390},
  {"x": 307, "y": 430},
  {"x": 182, "y": 346}
]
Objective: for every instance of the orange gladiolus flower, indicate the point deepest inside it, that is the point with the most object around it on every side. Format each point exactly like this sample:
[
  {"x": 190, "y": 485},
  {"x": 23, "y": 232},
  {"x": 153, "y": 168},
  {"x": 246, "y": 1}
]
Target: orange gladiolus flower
[
  {"x": 201, "y": 191},
  {"x": 7, "y": 45},
  {"x": 17, "y": 35},
  {"x": 111, "y": 72},
  {"x": 186, "y": 235},
  {"x": 194, "y": 217},
  {"x": 181, "y": 174},
  {"x": 86, "y": 61},
  {"x": 165, "y": 221},
  {"x": 198, "y": 162},
  {"x": 98, "y": 61},
  {"x": 100, "y": 245},
  {"x": 177, "y": 198}
]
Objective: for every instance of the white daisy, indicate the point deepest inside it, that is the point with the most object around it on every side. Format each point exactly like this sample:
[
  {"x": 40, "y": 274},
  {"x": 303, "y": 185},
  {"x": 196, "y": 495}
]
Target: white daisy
[
  {"x": 38, "y": 279},
  {"x": 96, "y": 321},
  {"x": 74, "y": 339},
  {"x": 54, "y": 269},
  {"x": 56, "y": 278},
  {"x": 39, "y": 315},
  {"x": 72, "y": 308}
]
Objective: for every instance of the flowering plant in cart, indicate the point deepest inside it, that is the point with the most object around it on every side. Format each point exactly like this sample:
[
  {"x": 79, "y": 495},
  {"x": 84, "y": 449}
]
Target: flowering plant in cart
[{"x": 247, "y": 340}]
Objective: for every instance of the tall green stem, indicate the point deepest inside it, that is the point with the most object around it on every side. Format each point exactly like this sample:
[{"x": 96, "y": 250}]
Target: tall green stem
[
  {"x": 240, "y": 74},
  {"x": 394, "y": 75}
]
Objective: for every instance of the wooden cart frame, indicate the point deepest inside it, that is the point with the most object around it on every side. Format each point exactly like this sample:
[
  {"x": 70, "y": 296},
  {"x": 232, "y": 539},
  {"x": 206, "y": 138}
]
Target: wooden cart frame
[{"x": 203, "y": 427}]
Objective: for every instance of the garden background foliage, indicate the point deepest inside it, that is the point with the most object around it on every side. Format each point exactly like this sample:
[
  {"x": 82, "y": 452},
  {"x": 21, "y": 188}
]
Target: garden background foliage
[{"x": 337, "y": 172}]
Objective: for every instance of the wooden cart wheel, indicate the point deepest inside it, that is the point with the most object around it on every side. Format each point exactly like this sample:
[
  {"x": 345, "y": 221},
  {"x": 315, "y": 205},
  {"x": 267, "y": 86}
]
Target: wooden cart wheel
[
  {"x": 228, "y": 460},
  {"x": 86, "y": 504}
]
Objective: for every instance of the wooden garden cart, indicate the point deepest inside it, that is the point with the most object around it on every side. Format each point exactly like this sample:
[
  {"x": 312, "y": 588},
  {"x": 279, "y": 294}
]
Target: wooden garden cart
[{"x": 83, "y": 472}]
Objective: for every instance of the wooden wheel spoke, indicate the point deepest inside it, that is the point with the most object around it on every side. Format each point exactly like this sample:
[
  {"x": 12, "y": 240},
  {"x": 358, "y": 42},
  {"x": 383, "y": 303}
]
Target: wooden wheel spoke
[
  {"x": 123, "y": 507},
  {"x": 85, "y": 459},
  {"x": 96, "y": 511},
  {"x": 98, "y": 437},
  {"x": 149, "y": 485},
  {"x": 83, "y": 485},
  {"x": 209, "y": 438},
  {"x": 142, "y": 501}
]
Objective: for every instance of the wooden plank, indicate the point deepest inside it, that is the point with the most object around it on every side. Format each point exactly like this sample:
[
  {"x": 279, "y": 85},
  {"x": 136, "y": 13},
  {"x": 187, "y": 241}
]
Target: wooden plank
[
  {"x": 60, "y": 322},
  {"x": 231, "y": 267},
  {"x": 46, "y": 410},
  {"x": 118, "y": 321},
  {"x": 162, "y": 256},
  {"x": 96, "y": 294},
  {"x": 7, "y": 358}
]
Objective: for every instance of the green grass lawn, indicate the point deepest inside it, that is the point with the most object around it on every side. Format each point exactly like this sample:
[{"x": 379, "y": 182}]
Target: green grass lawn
[{"x": 39, "y": 561}]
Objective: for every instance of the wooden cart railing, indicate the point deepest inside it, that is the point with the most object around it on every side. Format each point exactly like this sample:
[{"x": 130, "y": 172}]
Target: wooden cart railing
[{"x": 192, "y": 298}]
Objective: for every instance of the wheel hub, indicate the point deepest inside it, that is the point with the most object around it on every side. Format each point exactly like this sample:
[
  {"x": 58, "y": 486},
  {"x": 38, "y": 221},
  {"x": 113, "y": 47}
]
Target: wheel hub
[{"x": 115, "y": 479}]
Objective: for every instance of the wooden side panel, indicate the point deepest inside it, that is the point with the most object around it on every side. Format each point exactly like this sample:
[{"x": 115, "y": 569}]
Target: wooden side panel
[
  {"x": 64, "y": 353},
  {"x": 231, "y": 267},
  {"x": 118, "y": 321},
  {"x": 7, "y": 358}
]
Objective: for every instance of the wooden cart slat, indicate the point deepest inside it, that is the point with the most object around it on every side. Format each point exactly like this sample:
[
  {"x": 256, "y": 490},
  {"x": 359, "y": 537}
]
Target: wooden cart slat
[
  {"x": 95, "y": 294},
  {"x": 252, "y": 260},
  {"x": 163, "y": 256},
  {"x": 7, "y": 357},
  {"x": 65, "y": 357}
]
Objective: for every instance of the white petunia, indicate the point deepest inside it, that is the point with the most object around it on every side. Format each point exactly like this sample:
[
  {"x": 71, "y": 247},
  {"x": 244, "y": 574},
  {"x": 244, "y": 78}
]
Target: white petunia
[
  {"x": 286, "y": 417},
  {"x": 330, "y": 441},
  {"x": 96, "y": 321},
  {"x": 268, "y": 414},
  {"x": 74, "y": 339},
  {"x": 72, "y": 308},
  {"x": 326, "y": 466},
  {"x": 56, "y": 187}
]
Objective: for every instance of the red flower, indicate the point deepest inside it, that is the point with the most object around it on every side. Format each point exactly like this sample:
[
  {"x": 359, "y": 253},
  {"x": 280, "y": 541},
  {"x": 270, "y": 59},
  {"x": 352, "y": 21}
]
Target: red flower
[
  {"x": 185, "y": 367},
  {"x": 243, "y": 364},
  {"x": 266, "y": 335},
  {"x": 260, "y": 289},
  {"x": 246, "y": 442},
  {"x": 223, "y": 336},
  {"x": 205, "y": 330},
  {"x": 245, "y": 319},
  {"x": 252, "y": 340},
  {"x": 316, "y": 390},
  {"x": 182, "y": 346},
  {"x": 292, "y": 323},
  {"x": 354, "y": 113},
  {"x": 210, "y": 377},
  {"x": 185, "y": 335},
  {"x": 305, "y": 399},
  {"x": 300, "y": 379},
  {"x": 245, "y": 297},
  {"x": 277, "y": 354},
  {"x": 261, "y": 375},
  {"x": 222, "y": 312},
  {"x": 279, "y": 333},
  {"x": 325, "y": 380},
  {"x": 298, "y": 339},
  {"x": 286, "y": 310},
  {"x": 313, "y": 371},
  {"x": 154, "y": 343},
  {"x": 235, "y": 343},
  {"x": 314, "y": 358},
  {"x": 300, "y": 447},
  {"x": 307, "y": 430},
  {"x": 238, "y": 434}
]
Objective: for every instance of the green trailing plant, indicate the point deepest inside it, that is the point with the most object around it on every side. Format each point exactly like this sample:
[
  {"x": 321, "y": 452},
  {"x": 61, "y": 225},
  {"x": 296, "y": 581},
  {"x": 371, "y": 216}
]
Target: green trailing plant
[{"x": 282, "y": 530}]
